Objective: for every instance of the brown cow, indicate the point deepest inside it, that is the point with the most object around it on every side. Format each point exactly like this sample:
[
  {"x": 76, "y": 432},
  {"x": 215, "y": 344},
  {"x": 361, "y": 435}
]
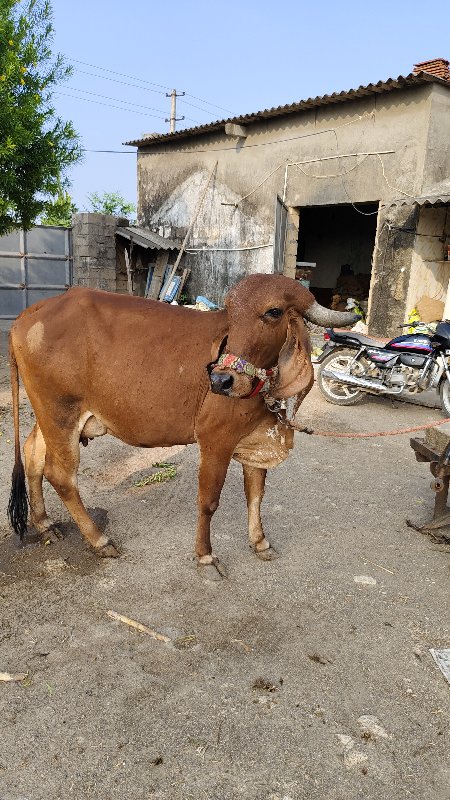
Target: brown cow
[{"x": 94, "y": 362}]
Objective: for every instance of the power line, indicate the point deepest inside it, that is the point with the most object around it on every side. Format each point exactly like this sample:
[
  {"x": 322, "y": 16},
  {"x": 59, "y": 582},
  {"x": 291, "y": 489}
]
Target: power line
[
  {"x": 114, "y": 80},
  {"x": 126, "y": 152},
  {"x": 209, "y": 126},
  {"x": 246, "y": 147},
  {"x": 135, "y": 86},
  {"x": 109, "y": 105},
  {"x": 150, "y": 83},
  {"x": 209, "y": 104},
  {"x": 205, "y": 110},
  {"x": 114, "y": 99},
  {"x": 122, "y": 75},
  {"x": 119, "y": 100},
  {"x": 229, "y": 149}
]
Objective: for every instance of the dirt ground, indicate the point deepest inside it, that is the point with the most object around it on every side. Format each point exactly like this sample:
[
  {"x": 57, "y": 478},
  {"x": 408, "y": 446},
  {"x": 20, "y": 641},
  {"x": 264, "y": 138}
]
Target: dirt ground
[{"x": 305, "y": 678}]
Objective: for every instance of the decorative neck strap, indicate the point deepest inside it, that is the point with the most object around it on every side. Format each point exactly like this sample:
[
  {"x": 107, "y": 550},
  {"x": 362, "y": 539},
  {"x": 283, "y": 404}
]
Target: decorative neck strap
[
  {"x": 230, "y": 361},
  {"x": 243, "y": 367}
]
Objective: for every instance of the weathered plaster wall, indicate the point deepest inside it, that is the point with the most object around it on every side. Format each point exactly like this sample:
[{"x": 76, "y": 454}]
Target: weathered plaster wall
[
  {"x": 217, "y": 226},
  {"x": 171, "y": 176},
  {"x": 430, "y": 272},
  {"x": 396, "y": 122},
  {"x": 436, "y": 172}
]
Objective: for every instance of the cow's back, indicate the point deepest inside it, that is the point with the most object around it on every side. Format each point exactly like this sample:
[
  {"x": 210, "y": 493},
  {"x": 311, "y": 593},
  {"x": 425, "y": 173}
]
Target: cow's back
[{"x": 138, "y": 365}]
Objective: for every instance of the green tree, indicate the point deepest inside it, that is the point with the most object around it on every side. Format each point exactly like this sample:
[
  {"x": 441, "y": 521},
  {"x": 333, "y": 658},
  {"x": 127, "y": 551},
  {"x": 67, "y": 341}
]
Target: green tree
[
  {"x": 59, "y": 211},
  {"x": 36, "y": 146},
  {"x": 110, "y": 203}
]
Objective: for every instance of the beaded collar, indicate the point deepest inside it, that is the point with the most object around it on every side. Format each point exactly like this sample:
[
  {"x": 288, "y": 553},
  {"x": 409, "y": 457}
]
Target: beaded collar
[{"x": 243, "y": 367}]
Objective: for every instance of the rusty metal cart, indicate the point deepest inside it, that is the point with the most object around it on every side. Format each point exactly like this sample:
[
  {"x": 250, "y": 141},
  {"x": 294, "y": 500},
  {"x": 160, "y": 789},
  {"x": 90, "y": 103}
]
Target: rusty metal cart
[{"x": 440, "y": 469}]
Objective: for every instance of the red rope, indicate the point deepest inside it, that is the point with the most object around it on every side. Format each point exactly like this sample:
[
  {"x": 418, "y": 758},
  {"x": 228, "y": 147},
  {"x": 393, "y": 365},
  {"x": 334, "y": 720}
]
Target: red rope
[{"x": 369, "y": 435}]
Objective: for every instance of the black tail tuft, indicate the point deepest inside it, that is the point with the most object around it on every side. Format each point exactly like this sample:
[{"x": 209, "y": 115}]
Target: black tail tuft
[{"x": 18, "y": 501}]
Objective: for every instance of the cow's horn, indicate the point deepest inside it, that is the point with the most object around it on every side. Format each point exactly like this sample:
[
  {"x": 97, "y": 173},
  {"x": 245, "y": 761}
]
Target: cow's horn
[{"x": 327, "y": 318}]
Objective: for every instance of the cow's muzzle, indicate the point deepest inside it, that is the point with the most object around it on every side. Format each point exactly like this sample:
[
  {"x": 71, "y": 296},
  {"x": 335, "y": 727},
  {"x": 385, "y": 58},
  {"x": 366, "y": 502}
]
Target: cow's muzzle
[{"x": 221, "y": 382}]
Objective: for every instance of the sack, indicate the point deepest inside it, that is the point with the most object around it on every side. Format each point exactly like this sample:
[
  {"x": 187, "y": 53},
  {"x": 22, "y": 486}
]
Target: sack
[{"x": 430, "y": 310}]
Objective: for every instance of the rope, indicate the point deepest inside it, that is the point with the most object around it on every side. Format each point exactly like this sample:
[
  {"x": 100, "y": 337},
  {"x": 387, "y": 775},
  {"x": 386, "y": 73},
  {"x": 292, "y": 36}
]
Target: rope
[{"x": 341, "y": 435}]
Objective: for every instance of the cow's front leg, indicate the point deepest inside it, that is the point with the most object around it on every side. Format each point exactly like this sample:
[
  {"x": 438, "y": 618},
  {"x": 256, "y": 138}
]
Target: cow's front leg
[
  {"x": 211, "y": 477},
  {"x": 254, "y": 482}
]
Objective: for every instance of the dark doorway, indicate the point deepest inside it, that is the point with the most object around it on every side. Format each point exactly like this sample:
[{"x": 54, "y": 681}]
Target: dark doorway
[{"x": 335, "y": 246}]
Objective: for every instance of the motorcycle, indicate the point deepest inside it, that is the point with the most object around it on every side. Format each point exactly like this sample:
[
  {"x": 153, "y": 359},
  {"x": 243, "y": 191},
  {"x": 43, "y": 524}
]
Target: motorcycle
[{"x": 353, "y": 365}]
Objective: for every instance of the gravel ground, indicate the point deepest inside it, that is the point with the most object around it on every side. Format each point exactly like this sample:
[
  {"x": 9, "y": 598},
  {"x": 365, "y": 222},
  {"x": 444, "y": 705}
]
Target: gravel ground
[{"x": 300, "y": 679}]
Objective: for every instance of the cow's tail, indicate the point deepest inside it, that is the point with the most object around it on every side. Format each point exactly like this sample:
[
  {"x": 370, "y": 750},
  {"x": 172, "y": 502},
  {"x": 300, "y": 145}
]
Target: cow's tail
[{"x": 18, "y": 499}]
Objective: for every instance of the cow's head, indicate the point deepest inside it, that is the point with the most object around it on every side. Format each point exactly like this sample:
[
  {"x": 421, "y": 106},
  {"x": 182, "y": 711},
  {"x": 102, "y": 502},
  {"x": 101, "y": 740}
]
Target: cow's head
[{"x": 266, "y": 329}]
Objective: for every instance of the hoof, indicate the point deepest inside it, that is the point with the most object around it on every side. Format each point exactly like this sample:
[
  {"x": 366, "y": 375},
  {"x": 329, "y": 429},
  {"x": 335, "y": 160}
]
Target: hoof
[
  {"x": 270, "y": 554},
  {"x": 50, "y": 532},
  {"x": 211, "y": 568},
  {"x": 106, "y": 549}
]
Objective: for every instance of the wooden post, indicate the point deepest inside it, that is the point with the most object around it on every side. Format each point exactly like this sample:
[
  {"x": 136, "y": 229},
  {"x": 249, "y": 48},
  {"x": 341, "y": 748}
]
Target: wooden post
[
  {"x": 158, "y": 274},
  {"x": 173, "y": 110}
]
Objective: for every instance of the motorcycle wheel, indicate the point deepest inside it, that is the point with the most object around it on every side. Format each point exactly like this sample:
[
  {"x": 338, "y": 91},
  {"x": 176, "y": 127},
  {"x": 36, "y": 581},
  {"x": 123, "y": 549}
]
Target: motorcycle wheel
[
  {"x": 445, "y": 397},
  {"x": 336, "y": 392}
]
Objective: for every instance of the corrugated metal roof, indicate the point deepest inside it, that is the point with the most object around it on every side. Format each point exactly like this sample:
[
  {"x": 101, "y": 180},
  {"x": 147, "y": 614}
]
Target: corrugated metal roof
[
  {"x": 433, "y": 200},
  {"x": 437, "y": 195},
  {"x": 147, "y": 238},
  {"x": 422, "y": 200},
  {"x": 381, "y": 87}
]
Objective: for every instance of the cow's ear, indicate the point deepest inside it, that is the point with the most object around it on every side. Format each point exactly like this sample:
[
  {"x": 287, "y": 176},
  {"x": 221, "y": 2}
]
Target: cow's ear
[
  {"x": 295, "y": 372},
  {"x": 218, "y": 346}
]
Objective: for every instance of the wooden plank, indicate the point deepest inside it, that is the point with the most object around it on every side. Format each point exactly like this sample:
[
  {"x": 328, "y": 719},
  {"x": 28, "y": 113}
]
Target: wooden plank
[
  {"x": 158, "y": 274},
  {"x": 423, "y": 450},
  {"x": 129, "y": 276}
]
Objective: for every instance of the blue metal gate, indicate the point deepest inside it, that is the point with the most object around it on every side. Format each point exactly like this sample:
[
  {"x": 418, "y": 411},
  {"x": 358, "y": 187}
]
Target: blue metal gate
[{"x": 34, "y": 265}]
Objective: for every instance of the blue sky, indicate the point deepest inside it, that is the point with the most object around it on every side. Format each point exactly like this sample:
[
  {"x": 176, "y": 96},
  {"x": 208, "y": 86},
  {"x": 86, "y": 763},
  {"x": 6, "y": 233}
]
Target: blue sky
[{"x": 240, "y": 57}]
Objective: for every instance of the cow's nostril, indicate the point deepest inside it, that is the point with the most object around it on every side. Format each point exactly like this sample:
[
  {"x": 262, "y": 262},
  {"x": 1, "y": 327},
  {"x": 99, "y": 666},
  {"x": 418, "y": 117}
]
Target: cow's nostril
[{"x": 221, "y": 382}]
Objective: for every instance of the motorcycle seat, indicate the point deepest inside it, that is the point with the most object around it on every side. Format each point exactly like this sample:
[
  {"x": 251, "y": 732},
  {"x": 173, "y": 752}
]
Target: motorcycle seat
[
  {"x": 342, "y": 337},
  {"x": 367, "y": 340}
]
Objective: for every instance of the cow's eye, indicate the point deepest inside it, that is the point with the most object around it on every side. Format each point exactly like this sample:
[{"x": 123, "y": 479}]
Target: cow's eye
[{"x": 274, "y": 313}]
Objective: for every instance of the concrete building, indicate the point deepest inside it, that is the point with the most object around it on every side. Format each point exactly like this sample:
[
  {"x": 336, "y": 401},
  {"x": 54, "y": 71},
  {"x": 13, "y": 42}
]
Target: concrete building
[{"x": 355, "y": 183}]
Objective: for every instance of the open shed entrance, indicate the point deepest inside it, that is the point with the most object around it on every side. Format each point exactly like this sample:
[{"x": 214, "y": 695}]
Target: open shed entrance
[{"x": 335, "y": 247}]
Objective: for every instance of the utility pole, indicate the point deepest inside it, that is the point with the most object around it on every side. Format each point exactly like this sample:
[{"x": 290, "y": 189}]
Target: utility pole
[{"x": 173, "y": 109}]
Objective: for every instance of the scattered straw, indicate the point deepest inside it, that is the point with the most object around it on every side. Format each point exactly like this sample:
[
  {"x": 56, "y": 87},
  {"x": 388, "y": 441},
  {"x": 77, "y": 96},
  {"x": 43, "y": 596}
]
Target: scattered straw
[
  {"x": 138, "y": 626},
  {"x": 165, "y": 473},
  {"x": 8, "y": 677}
]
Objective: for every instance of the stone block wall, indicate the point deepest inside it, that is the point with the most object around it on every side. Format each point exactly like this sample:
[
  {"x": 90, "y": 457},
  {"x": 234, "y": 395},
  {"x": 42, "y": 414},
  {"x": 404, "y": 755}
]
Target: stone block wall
[{"x": 94, "y": 250}]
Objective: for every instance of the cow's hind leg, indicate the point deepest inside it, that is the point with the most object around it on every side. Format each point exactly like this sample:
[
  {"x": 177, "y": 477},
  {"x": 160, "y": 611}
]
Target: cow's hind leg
[
  {"x": 254, "y": 482},
  {"x": 62, "y": 459},
  {"x": 34, "y": 451}
]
